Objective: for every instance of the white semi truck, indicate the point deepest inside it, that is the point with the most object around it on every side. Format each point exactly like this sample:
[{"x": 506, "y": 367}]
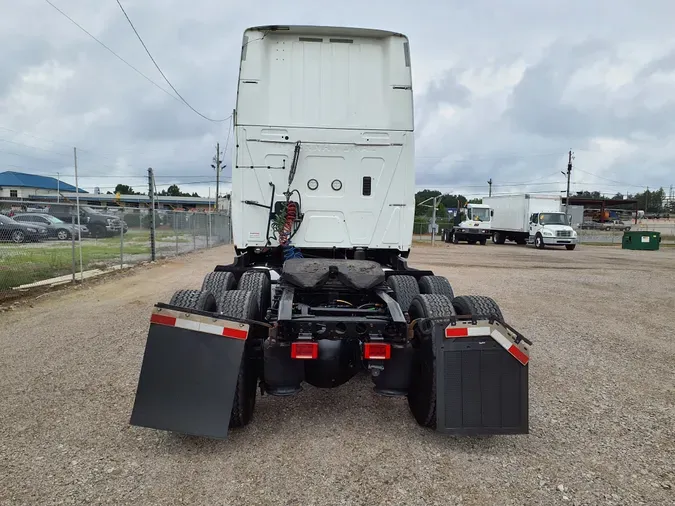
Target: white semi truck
[
  {"x": 320, "y": 288},
  {"x": 533, "y": 219}
]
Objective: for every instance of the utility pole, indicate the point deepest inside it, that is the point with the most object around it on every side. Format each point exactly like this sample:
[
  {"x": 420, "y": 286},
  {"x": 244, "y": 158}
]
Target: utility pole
[
  {"x": 151, "y": 194},
  {"x": 569, "y": 175},
  {"x": 77, "y": 205},
  {"x": 490, "y": 183},
  {"x": 216, "y": 165},
  {"x": 433, "y": 222}
]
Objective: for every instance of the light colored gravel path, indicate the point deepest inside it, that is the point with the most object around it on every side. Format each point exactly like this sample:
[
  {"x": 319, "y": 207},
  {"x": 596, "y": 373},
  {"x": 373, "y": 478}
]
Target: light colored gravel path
[{"x": 602, "y": 406}]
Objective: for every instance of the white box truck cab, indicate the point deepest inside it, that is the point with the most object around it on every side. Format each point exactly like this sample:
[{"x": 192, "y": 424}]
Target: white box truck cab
[
  {"x": 474, "y": 225},
  {"x": 530, "y": 219}
]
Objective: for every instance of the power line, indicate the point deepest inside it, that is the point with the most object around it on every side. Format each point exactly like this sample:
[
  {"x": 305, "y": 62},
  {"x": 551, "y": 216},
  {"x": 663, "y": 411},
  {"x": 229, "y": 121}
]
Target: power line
[
  {"x": 111, "y": 51},
  {"x": 611, "y": 180},
  {"x": 160, "y": 70}
]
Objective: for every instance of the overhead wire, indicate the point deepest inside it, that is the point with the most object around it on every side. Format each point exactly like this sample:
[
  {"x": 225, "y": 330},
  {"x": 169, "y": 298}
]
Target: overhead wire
[
  {"x": 111, "y": 51},
  {"x": 611, "y": 180},
  {"x": 160, "y": 70}
]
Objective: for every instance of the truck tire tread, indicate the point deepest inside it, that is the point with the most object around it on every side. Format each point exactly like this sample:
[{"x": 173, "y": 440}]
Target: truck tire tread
[
  {"x": 436, "y": 285},
  {"x": 478, "y": 306},
  {"x": 258, "y": 283},
  {"x": 218, "y": 283},
  {"x": 194, "y": 299},
  {"x": 422, "y": 390},
  {"x": 242, "y": 304},
  {"x": 405, "y": 289}
]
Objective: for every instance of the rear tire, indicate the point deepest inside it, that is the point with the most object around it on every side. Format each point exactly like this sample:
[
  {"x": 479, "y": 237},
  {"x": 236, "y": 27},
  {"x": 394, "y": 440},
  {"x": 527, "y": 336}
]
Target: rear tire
[
  {"x": 478, "y": 306},
  {"x": 437, "y": 285},
  {"x": 218, "y": 283},
  {"x": 243, "y": 304},
  {"x": 405, "y": 289},
  {"x": 422, "y": 389},
  {"x": 259, "y": 284},
  {"x": 194, "y": 299}
]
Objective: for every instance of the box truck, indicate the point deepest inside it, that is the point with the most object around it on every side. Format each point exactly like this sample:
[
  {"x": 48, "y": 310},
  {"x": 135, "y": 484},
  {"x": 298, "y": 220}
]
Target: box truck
[{"x": 530, "y": 219}]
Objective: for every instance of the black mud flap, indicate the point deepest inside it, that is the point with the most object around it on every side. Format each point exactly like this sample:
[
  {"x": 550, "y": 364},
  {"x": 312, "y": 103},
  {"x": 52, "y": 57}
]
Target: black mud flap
[
  {"x": 481, "y": 378},
  {"x": 189, "y": 373}
]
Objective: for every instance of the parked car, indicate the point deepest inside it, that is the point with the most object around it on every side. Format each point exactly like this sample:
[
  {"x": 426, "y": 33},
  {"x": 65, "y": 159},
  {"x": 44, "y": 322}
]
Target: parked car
[
  {"x": 615, "y": 225},
  {"x": 590, "y": 225},
  {"x": 99, "y": 224},
  {"x": 56, "y": 228},
  {"x": 12, "y": 230}
]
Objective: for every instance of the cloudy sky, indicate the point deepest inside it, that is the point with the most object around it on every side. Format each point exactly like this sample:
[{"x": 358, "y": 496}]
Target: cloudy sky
[{"x": 502, "y": 89}]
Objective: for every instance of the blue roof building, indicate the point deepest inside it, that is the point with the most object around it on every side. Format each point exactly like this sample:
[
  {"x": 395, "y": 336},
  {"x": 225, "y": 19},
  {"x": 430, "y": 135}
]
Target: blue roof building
[{"x": 22, "y": 185}]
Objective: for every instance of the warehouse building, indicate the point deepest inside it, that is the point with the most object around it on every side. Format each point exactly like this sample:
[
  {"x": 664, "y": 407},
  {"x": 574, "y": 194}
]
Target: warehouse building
[{"x": 19, "y": 185}]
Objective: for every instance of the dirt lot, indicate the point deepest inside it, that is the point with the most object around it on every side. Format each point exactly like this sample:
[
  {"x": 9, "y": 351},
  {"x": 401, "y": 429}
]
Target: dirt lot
[{"x": 602, "y": 393}]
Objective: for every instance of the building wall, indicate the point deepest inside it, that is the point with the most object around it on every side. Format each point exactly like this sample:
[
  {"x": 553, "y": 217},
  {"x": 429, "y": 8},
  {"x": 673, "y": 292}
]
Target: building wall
[{"x": 23, "y": 192}]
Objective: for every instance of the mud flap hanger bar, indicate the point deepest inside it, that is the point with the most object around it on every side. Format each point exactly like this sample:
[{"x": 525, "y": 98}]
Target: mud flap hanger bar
[
  {"x": 468, "y": 326},
  {"x": 218, "y": 316}
]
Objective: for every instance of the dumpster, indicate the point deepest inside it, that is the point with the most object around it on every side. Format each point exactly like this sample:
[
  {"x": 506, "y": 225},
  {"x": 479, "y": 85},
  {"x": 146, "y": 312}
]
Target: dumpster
[{"x": 641, "y": 239}]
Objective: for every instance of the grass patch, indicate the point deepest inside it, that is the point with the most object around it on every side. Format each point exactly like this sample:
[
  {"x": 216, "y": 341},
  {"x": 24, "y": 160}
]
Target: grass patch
[{"x": 25, "y": 264}]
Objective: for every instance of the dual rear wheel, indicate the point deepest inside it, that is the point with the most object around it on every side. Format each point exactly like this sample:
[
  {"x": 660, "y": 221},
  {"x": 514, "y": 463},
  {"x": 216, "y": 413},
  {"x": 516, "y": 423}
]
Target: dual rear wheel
[
  {"x": 247, "y": 300},
  {"x": 432, "y": 297}
]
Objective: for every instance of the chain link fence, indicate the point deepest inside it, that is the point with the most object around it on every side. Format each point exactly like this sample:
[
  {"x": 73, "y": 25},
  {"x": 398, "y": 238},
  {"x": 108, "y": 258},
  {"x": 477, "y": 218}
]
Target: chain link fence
[{"x": 41, "y": 244}]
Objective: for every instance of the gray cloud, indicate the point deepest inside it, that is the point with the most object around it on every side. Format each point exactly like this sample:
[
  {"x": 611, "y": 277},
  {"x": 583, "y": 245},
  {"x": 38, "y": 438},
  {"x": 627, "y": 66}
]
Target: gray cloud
[{"x": 502, "y": 89}]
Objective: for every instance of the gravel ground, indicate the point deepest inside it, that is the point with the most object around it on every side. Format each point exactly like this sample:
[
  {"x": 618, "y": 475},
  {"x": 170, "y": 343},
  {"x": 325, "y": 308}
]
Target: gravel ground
[{"x": 602, "y": 397}]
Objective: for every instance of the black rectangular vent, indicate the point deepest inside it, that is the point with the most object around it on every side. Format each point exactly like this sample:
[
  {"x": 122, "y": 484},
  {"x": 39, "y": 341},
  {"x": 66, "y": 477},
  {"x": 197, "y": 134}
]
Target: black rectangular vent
[
  {"x": 310, "y": 39},
  {"x": 367, "y": 185},
  {"x": 343, "y": 41}
]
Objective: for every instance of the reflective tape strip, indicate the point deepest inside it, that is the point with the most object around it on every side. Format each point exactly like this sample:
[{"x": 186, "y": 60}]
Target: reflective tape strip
[
  {"x": 466, "y": 331},
  {"x": 200, "y": 323},
  {"x": 515, "y": 352}
]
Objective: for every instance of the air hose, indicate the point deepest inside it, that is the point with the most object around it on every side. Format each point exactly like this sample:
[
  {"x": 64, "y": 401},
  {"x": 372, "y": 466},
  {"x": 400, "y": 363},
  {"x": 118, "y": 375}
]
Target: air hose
[{"x": 286, "y": 232}]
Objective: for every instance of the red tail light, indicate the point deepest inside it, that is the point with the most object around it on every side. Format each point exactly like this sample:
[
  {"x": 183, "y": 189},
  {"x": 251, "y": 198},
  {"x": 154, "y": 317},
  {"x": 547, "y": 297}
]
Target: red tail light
[
  {"x": 376, "y": 351},
  {"x": 306, "y": 351}
]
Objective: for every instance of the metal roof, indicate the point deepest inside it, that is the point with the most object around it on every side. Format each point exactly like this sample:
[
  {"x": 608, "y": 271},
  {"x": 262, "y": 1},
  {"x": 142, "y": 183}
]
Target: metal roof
[
  {"x": 104, "y": 197},
  {"x": 23, "y": 180}
]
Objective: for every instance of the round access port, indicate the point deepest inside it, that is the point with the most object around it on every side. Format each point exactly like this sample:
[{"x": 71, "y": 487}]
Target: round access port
[
  {"x": 340, "y": 328},
  {"x": 361, "y": 328}
]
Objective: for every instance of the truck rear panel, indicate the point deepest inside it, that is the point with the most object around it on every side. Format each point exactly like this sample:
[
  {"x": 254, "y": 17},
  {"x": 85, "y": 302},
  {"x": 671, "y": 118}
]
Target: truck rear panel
[{"x": 346, "y": 96}]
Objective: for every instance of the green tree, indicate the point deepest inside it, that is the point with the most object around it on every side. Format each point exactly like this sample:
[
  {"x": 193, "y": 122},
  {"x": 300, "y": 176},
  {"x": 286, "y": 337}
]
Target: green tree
[
  {"x": 174, "y": 191},
  {"x": 124, "y": 189}
]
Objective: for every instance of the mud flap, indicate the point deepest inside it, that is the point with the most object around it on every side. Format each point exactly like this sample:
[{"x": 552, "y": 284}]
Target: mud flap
[
  {"x": 481, "y": 378},
  {"x": 189, "y": 373}
]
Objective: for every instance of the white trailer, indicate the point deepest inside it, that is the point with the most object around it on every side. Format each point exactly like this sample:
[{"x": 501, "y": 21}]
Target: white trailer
[{"x": 534, "y": 219}]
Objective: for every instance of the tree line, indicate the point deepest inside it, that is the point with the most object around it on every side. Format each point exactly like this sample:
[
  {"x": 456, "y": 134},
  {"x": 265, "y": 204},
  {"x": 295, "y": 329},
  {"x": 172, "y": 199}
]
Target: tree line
[
  {"x": 171, "y": 191},
  {"x": 447, "y": 201}
]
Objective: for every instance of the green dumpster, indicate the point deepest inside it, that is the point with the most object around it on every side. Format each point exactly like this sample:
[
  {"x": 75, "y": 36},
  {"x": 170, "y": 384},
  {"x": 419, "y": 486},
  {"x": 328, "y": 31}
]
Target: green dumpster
[{"x": 641, "y": 239}]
